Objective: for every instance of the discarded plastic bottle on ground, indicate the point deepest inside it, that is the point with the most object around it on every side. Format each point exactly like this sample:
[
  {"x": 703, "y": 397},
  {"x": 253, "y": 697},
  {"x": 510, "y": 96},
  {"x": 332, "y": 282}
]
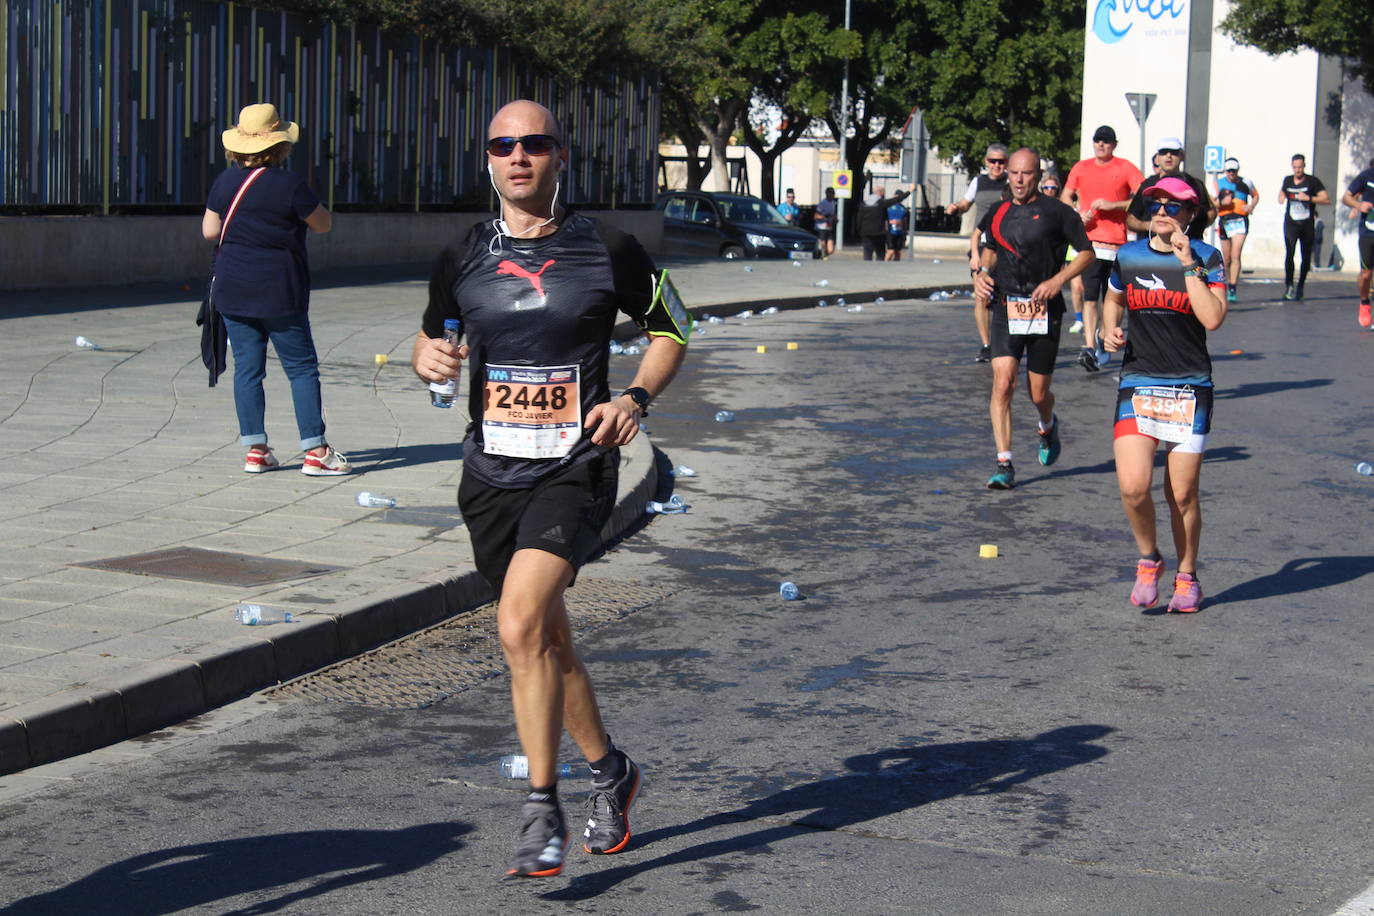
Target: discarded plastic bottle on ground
[
  {"x": 789, "y": 591},
  {"x": 256, "y": 615},
  {"x": 747, "y": 313},
  {"x": 616, "y": 347},
  {"x": 443, "y": 394},
  {"x": 771, "y": 310},
  {"x": 85, "y": 344},
  {"x": 840, "y": 302},
  {"x": 517, "y": 766},
  {"x": 822, "y": 304},
  {"x": 631, "y": 350},
  {"x": 822, "y": 283},
  {"x": 796, "y": 263},
  {"x": 673, "y": 506},
  {"x": 855, "y": 308},
  {"x": 936, "y": 261},
  {"x": 725, "y": 416},
  {"x": 682, "y": 471},
  {"x": 1365, "y": 468},
  {"x": 748, "y": 268},
  {"x": 715, "y": 319},
  {"x": 373, "y": 501},
  {"x": 879, "y": 301}
]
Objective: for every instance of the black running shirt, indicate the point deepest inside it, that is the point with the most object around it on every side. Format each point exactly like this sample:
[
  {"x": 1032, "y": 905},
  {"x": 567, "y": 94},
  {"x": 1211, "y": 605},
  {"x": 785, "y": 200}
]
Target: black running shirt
[
  {"x": 1164, "y": 339},
  {"x": 1300, "y": 211},
  {"x": 1031, "y": 240},
  {"x": 547, "y": 302}
]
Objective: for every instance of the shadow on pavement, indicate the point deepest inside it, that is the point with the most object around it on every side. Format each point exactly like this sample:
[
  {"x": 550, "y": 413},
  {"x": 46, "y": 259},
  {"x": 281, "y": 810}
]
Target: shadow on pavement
[
  {"x": 400, "y": 456},
  {"x": 177, "y": 879},
  {"x": 879, "y": 784},
  {"x": 1302, "y": 575},
  {"x": 1250, "y": 389}
]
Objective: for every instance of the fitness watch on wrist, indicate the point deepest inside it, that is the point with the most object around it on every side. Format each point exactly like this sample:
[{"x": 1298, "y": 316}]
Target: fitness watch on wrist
[{"x": 641, "y": 398}]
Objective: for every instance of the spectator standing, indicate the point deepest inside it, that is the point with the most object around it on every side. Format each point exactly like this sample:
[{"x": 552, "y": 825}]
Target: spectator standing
[
  {"x": 789, "y": 209},
  {"x": 873, "y": 221},
  {"x": 825, "y": 222},
  {"x": 262, "y": 282}
]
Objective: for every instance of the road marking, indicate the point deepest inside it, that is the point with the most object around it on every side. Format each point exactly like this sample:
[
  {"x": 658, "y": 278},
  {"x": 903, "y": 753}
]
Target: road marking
[{"x": 1360, "y": 905}]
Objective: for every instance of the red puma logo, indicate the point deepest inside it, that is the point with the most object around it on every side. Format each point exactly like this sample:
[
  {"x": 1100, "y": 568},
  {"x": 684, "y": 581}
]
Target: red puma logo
[{"x": 515, "y": 270}]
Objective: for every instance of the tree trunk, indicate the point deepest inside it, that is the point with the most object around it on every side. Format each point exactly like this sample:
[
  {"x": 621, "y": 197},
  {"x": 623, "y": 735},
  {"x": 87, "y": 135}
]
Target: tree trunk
[
  {"x": 717, "y": 126},
  {"x": 769, "y": 155}
]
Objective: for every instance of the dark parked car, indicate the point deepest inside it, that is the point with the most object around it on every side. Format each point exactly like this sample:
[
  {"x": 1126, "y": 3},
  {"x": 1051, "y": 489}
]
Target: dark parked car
[{"x": 709, "y": 224}]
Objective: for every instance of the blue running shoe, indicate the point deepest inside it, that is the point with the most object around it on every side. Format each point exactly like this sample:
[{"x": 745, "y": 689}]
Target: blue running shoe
[
  {"x": 1004, "y": 478},
  {"x": 1049, "y": 445}
]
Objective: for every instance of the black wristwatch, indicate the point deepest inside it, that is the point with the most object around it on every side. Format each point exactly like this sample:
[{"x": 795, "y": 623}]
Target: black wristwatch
[{"x": 641, "y": 398}]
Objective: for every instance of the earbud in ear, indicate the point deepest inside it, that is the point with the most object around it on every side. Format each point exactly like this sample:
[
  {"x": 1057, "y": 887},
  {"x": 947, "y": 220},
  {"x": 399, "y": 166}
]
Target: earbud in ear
[{"x": 489, "y": 168}]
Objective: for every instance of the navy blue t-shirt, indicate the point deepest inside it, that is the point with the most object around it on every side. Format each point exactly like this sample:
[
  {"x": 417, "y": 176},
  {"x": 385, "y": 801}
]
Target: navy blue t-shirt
[
  {"x": 1362, "y": 188},
  {"x": 261, "y": 270}
]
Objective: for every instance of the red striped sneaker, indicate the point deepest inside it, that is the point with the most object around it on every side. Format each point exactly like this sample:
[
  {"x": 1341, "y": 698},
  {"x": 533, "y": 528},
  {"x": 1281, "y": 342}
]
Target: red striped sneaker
[
  {"x": 330, "y": 464},
  {"x": 257, "y": 461}
]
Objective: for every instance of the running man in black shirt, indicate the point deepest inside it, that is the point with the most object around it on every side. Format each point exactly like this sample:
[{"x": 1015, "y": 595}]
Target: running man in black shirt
[
  {"x": 537, "y": 291},
  {"x": 1299, "y": 195},
  {"x": 1023, "y": 271}
]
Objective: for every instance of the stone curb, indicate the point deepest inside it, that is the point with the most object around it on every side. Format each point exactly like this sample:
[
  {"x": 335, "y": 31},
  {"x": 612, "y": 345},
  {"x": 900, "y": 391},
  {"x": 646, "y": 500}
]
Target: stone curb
[{"x": 173, "y": 689}]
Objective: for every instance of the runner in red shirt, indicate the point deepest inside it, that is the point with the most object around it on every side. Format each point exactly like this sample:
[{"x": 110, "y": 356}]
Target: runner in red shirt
[{"x": 1100, "y": 189}]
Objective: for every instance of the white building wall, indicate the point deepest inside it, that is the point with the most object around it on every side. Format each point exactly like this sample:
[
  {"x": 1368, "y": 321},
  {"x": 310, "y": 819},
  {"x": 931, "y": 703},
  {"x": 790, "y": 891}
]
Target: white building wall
[
  {"x": 1357, "y": 149},
  {"x": 1262, "y": 109}
]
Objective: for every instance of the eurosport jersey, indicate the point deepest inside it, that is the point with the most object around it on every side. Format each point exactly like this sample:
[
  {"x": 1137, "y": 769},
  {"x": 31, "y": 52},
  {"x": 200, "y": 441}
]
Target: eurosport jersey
[
  {"x": 896, "y": 219},
  {"x": 1091, "y": 180},
  {"x": 538, "y": 315},
  {"x": 1363, "y": 189},
  {"x": 1198, "y": 227},
  {"x": 1165, "y": 340},
  {"x": 1031, "y": 240},
  {"x": 1300, "y": 211}
]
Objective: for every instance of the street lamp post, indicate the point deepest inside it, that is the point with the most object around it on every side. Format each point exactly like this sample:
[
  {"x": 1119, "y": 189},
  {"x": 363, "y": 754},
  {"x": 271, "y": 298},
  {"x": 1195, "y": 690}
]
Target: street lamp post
[{"x": 844, "y": 141}]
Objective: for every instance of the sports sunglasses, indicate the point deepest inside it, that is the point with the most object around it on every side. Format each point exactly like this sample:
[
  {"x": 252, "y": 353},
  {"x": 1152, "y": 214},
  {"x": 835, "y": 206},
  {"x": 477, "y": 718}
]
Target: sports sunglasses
[
  {"x": 534, "y": 144},
  {"x": 1170, "y": 208}
]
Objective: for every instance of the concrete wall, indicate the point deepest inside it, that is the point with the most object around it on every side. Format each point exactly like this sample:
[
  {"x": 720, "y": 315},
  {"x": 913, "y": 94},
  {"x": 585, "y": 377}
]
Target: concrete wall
[{"x": 40, "y": 252}]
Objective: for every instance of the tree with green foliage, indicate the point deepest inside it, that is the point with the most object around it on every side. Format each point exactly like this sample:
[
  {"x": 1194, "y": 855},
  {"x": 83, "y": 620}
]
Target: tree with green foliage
[
  {"x": 996, "y": 71},
  {"x": 1337, "y": 27}
]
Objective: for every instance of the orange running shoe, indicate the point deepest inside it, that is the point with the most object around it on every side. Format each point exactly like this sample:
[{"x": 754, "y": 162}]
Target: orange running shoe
[
  {"x": 1187, "y": 595},
  {"x": 1146, "y": 590},
  {"x": 1364, "y": 314}
]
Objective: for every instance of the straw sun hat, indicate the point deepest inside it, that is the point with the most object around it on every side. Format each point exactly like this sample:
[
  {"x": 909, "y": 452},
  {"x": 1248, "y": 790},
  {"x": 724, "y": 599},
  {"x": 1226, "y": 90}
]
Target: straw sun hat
[{"x": 259, "y": 127}]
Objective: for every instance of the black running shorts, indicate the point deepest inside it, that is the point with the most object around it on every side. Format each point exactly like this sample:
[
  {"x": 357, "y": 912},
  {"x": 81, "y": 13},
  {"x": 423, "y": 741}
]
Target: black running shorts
[
  {"x": 1095, "y": 280},
  {"x": 1367, "y": 252},
  {"x": 1040, "y": 350},
  {"x": 562, "y": 514}
]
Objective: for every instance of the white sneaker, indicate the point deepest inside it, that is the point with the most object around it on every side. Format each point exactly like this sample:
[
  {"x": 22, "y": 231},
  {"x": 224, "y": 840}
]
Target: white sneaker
[
  {"x": 257, "y": 462},
  {"x": 1076, "y": 327},
  {"x": 330, "y": 464}
]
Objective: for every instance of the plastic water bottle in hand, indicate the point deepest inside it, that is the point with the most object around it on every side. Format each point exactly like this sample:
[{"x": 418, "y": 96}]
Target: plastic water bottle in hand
[{"x": 443, "y": 394}]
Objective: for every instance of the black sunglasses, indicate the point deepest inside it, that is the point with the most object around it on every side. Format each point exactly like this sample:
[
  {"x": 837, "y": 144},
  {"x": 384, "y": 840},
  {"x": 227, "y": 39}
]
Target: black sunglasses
[
  {"x": 997, "y": 162},
  {"x": 1050, "y": 189},
  {"x": 534, "y": 144},
  {"x": 1171, "y": 152},
  {"x": 1170, "y": 208}
]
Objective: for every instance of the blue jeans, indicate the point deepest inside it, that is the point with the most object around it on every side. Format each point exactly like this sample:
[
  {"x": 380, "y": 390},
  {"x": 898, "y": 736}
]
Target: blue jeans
[{"x": 295, "y": 348}]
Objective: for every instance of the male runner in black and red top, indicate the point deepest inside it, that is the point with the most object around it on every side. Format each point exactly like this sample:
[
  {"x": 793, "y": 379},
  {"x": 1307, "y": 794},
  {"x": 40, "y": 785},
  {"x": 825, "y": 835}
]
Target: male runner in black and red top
[
  {"x": 538, "y": 291},
  {"x": 1025, "y": 241}
]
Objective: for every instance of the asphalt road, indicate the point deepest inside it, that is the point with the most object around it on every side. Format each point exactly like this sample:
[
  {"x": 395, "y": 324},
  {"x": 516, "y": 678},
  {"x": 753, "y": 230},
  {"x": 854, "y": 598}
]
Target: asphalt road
[{"x": 927, "y": 732}]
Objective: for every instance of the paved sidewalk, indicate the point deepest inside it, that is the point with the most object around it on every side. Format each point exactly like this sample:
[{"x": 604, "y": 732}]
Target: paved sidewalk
[{"x": 124, "y": 450}]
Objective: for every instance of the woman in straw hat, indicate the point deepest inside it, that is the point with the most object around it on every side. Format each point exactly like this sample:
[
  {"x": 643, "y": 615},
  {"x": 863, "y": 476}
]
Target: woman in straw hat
[{"x": 262, "y": 282}]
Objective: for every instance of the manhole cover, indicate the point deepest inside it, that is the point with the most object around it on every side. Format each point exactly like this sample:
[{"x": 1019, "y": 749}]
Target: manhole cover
[
  {"x": 424, "y": 668},
  {"x": 217, "y": 566}
]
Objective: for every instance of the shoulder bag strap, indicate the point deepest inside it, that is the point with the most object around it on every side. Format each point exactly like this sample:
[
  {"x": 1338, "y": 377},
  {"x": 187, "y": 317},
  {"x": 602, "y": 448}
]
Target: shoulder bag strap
[{"x": 238, "y": 197}]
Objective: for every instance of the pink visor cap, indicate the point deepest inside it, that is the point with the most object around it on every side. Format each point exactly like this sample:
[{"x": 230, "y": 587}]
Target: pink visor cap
[{"x": 1174, "y": 188}]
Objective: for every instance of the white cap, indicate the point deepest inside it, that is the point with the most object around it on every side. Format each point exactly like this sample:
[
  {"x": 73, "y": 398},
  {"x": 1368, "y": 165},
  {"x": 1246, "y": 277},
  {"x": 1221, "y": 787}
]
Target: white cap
[
  {"x": 1232, "y": 163},
  {"x": 1169, "y": 143}
]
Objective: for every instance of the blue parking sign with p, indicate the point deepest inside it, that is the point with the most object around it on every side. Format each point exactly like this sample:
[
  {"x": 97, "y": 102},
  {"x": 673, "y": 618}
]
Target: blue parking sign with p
[{"x": 1213, "y": 158}]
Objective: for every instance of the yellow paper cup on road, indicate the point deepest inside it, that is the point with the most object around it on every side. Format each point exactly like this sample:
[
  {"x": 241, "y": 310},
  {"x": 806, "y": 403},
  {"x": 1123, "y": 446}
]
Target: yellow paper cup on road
[
  {"x": 380, "y": 359},
  {"x": 760, "y": 349},
  {"x": 791, "y": 345},
  {"x": 987, "y": 551}
]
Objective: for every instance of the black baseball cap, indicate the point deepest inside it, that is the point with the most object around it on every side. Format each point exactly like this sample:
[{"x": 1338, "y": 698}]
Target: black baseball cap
[{"x": 1104, "y": 133}]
